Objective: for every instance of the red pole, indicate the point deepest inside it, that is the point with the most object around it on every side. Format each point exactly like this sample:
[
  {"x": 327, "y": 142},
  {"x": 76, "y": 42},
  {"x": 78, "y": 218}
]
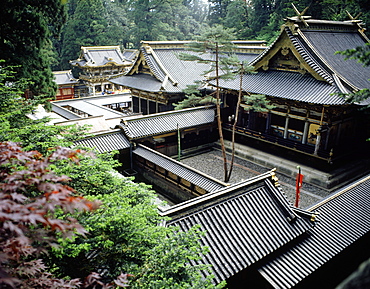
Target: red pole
[{"x": 298, "y": 184}]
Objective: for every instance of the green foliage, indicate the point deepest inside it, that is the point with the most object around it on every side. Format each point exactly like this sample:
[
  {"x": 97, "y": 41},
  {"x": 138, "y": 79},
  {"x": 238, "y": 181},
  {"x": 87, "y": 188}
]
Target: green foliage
[
  {"x": 13, "y": 106},
  {"x": 17, "y": 127},
  {"x": 258, "y": 102},
  {"x": 217, "y": 11},
  {"x": 194, "y": 97},
  {"x": 24, "y": 40},
  {"x": 31, "y": 199},
  {"x": 361, "y": 53},
  {"x": 237, "y": 18},
  {"x": 94, "y": 174},
  {"x": 164, "y": 267},
  {"x": 163, "y": 20},
  {"x": 124, "y": 236},
  {"x": 212, "y": 47},
  {"x": 38, "y": 135},
  {"x": 124, "y": 233},
  {"x": 92, "y": 23}
]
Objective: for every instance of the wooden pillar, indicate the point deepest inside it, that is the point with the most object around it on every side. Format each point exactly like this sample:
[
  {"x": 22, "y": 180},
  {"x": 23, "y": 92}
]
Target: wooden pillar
[
  {"x": 139, "y": 98},
  {"x": 338, "y": 134},
  {"x": 147, "y": 106},
  {"x": 156, "y": 104},
  {"x": 268, "y": 122},
  {"x": 318, "y": 141},
  {"x": 327, "y": 137},
  {"x": 286, "y": 127},
  {"x": 305, "y": 132}
]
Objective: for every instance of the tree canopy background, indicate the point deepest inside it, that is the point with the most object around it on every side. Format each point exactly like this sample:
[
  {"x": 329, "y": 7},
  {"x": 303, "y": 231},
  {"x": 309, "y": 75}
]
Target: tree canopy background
[
  {"x": 127, "y": 22},
  {"x": 30, "y": 31}
]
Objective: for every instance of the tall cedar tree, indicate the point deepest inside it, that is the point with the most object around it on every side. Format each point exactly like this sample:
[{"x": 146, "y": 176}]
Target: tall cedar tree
[
  {"x": 87, "y": 26},
  {"x": 25, "y": 28}
]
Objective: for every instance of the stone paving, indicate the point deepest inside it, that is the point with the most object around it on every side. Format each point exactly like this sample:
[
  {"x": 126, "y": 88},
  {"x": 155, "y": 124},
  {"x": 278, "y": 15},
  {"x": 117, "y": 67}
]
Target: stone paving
[{"x": 211, "y": 163}]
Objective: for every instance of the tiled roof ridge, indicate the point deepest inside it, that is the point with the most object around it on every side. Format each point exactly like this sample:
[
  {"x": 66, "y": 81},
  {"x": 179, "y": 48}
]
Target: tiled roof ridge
[
  {"x": 166, "y": 122},
  {"x": 277, "y": 194},
  {"x": 222, "y": 184},
  {"x": 344, "y": 219},
  {"x": 307, "y": 57},
  {"x": 204, "y": 198},
  {"x": 163, "y": 75},
  {"x": 157, "y": 74},
  {"x": 261, "y": 55},
  {"x": 86, "y": 53},
  {"x": 113, "y": 131},
  {"x": 165, "y": 113},
  {"x": 337, "y": 194},
  {"x": 105, "y": 141}
]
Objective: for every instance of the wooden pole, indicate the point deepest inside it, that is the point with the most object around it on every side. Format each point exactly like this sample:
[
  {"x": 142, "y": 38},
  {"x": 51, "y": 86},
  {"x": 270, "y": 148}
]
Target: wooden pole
[{"x": 298, "y": 184}]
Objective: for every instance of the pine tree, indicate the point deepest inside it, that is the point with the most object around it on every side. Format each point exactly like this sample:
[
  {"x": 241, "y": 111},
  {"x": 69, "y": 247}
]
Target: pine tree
[{"x": 214, "y": 47}]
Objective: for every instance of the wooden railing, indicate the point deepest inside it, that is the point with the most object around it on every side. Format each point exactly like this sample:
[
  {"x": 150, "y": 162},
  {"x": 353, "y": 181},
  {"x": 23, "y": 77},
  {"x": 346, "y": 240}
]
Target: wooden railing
[{"x": 286, "y": 143}]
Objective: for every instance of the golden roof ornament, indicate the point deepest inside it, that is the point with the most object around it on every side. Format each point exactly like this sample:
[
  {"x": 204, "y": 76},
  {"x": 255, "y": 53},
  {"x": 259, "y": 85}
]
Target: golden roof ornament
[{"x": 300, "y": 15}]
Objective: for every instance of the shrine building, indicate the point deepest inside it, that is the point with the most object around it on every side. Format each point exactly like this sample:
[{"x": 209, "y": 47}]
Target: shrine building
[
  {"x": 306, "y": 81},
  {"x": 66, "y": 84},
  {"x": 99, "y": 63},
  {"x": 158, "y": 77}
]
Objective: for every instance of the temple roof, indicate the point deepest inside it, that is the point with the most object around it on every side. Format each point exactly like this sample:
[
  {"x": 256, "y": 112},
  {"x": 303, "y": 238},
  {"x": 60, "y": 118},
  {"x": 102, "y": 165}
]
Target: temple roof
[
  {"x": 344, "y": 217},
  {"x": 166, "y": 72},
  {"x": 287, "y": 85},
  {"x": 105, "y": 142},
  {"x": 197, "y": 178},
  {"x": 169, "y": 121},
  {"x": 311, "y": 50},
  {"x": 142, "y": 81},
  {"x": 97, "y": 56},
  {"x": 64, "y": 77},
  {"x": 243, "y": 223}
]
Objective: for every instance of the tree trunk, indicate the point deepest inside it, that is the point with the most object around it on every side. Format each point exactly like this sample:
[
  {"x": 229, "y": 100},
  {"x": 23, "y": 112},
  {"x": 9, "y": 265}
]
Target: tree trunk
[
  {"x": 234, "y": 126},
  {"x": 219, "y": 122}
]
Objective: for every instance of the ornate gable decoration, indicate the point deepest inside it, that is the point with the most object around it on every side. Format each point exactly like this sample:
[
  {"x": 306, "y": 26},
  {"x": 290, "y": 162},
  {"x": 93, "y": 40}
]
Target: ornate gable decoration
[{"x": 308, "y": 45}]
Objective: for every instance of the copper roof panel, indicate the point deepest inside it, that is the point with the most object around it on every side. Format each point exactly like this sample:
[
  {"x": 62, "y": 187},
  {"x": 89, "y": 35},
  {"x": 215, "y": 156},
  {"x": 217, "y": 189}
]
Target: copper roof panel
[{"x": 328, "y": 43}]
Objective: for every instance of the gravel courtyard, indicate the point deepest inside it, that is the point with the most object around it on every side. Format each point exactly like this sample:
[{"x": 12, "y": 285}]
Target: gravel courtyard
[{"x": 211, "y": 163}]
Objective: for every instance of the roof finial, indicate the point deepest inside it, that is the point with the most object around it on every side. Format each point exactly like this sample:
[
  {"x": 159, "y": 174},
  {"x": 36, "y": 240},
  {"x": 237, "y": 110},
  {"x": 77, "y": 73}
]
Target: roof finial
[
  {"x": 353, "y": 18},
  {"x": 300, "y": 15}
]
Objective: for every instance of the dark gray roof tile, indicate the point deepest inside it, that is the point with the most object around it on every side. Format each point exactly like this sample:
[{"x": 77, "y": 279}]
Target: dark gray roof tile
[
  {"x": 288, "y": 85},
  {"x": 155, "y": 124},
  {"x": 64, "y": 77},
  {"x": 205, "y": 182},
  {"x": 326, "y": 44},
  {"x": 243, "y": 224},
  {"x": 344, "y": 217},
  {"x": 105, "y": 142},
  {"x": 100, "y": 56},
  {"x": 143, "y": 82}
]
